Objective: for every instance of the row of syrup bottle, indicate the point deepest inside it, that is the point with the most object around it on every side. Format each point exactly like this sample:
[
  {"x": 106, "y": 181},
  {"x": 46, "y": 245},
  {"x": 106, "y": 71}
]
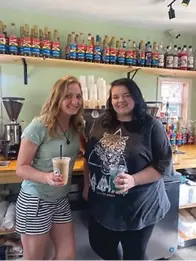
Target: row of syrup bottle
[{"x": 177, "y": 58}]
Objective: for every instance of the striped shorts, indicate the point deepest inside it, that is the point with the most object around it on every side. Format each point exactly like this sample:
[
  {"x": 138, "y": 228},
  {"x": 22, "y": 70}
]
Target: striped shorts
[{"x": 35, "y": 216}]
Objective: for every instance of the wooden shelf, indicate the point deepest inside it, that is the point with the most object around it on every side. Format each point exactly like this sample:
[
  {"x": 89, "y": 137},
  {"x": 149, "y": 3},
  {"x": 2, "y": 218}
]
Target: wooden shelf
[
  {"x": 5, "y": 58},
  {"x": 188, "y": 206},
  {"x": 7, "y": 232}
]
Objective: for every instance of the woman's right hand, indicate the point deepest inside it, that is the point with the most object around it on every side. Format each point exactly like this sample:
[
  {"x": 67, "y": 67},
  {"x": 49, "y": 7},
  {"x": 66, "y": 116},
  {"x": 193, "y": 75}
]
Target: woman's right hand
[
  {"x": 85, "y": 192},
  {"x": 54, "y": 180}
]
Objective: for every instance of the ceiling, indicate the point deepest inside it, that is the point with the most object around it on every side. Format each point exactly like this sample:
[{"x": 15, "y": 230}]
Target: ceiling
[{"x": 141, "y": 13}]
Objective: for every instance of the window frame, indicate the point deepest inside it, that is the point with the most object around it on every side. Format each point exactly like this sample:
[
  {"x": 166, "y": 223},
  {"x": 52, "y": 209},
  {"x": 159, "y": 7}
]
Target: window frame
[{"x": 186, "y": 97}]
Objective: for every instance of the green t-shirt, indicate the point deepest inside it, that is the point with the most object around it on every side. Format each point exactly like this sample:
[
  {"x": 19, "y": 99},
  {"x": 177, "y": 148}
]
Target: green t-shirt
[{"x": 48, "y": 148}]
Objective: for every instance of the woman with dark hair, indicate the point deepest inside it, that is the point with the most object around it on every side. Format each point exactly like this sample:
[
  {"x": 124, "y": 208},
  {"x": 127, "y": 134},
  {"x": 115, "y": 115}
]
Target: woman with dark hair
[{"x": 127, "y": 155}]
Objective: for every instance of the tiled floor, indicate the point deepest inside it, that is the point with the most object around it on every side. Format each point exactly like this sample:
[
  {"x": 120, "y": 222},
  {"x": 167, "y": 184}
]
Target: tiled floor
[{"x": 84, "y": 252}]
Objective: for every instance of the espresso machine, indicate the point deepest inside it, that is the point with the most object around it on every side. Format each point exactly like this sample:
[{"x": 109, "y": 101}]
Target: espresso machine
[
  {"x": 90, "y": 115},
  {"x": 12, "y": 130}
]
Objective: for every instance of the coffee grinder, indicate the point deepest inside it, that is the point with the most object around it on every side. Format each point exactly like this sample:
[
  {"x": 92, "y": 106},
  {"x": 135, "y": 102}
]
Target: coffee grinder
[{"x": 12, "y": 130}]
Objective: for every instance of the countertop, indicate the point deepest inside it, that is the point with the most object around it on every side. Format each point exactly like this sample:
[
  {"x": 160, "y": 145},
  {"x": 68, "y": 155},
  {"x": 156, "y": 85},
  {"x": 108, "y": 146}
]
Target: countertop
[
  {"x": 187, "y": 160},
  {"x": 8, "y": 176},
  {"x": 180, "y": 161}
]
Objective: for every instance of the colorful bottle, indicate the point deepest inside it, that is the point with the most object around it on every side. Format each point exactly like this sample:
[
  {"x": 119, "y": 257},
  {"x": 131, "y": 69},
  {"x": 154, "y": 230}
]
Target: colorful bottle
[
  {"x": 179, "y": 57},
  {"x": 13, "y": 41},
  {"x": 129, "y": 54},
  {"x": 121, "y": 53},
  {"x": 141, "y": 54},
  {"x": 161, "y": 56},
  {"x": 41, "y": 38},
  {"x": 46, "y": 44},
  {"x": 81, "y": 48},
  {"x": 183, "y": 58},
  {"x": 106, "y": 50},
  {"x": 191, "y": 137},
  {"x": 35, "y": 43},
  {"x": 148, "y": 55},
  {"x": 134, "y": 48},
  {"x": 55, "y": 48},
  {"x": 26, "y": 44},
  {"x": 113, "y": 51},
  {"x": 97, "y": 50},
  {"x": 169, "y": 57},
  {"x": 2, "y": 40},
  {"x": 190, "y": 65},
  {"x": 175, "y": 57},
  {"x": 155, "y": 55},
  {"x": 178, "y": 132},
  {"x": 6, "y": 39},
  {"x": 20, "y": 40},
  {"x": 72, "y": 47},
  {"x": 89, "y": 49},
  {"x": 67, "y": 47}
]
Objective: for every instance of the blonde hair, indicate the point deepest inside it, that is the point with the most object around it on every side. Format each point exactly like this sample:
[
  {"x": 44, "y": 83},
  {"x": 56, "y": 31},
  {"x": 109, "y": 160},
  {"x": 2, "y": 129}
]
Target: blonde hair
[{"x": 51, "y": 108}]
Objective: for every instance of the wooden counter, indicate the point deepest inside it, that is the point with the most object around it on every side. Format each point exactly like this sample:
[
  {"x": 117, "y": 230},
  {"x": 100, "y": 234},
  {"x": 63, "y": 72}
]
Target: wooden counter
[
  {"x": 8, "y": 176},
  {"x": 187, "y": 160}
]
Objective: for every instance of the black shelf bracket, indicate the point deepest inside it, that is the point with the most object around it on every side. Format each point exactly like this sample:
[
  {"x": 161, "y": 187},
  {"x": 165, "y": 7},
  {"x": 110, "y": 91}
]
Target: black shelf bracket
[
  {"x": 129, "y": 73},
  {"x": 25, "y": 71}
]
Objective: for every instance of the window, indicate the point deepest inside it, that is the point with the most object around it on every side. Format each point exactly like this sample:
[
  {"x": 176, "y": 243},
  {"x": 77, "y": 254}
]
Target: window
[{"x": 176, "y": 93}]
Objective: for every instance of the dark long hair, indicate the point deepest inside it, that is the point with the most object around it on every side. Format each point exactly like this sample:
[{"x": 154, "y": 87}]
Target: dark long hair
[{"x": 140, "y": 110}]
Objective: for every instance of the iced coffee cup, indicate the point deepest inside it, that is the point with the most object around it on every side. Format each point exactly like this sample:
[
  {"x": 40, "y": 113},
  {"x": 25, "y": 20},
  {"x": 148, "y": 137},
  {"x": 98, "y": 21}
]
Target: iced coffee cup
[{"x": 61, "y": 167}]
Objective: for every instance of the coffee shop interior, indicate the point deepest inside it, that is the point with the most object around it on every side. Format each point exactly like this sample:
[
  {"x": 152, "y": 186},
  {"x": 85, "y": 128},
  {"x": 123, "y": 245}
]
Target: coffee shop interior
[{"x": 151, "y": 41}]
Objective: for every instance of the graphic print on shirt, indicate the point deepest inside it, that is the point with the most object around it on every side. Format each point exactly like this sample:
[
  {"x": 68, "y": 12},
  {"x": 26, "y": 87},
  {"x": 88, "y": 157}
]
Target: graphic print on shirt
[{"x": 105, "y": 159}]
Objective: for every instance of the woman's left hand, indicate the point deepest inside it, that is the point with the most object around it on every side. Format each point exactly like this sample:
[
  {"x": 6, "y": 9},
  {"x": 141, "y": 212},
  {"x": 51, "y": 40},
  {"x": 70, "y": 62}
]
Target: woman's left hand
[{"x": 124, "y": 182}]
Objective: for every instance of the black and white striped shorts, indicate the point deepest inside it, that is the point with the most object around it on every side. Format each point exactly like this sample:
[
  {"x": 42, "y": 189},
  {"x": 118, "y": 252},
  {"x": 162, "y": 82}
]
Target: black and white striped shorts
[{"x": 34, "y": 216}]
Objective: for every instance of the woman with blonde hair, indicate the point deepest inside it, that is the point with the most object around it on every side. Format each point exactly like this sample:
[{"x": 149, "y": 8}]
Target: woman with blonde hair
[{"x": 42, "y": 209}]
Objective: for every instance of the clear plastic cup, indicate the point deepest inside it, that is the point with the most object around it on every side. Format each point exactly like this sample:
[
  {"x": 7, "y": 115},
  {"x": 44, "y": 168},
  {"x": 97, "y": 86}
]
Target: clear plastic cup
[{"x": 61, "y": 167}]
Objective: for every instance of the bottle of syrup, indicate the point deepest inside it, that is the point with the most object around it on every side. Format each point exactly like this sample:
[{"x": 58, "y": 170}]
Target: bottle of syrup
[
  {"x": 190, "y": 65},
  {"x": 67, "y": 47},
  {"x": 26, "y": 45},
  {"x": 141, "y": 54},
  {"x": 183, "y": 58},
  {"x": 148, "y": 55},
  {"x": 89, "y": 49},
  {"x": 41, "y": 38},
  {"x": 134, "y": 48},
  {"x": 55, "y": 50},
  {"x": 46, "y": 44},
  {"x": 121, "y": 52},
  {"x": 13, "y": 41},
  {"x": 175, "y": 57},
  {"x": 81, "y": 48},
  {"x": 97, "y": 50},
  {"x": 155, "y": 55},
  {"x": 6, "y": 39},
  {"x": 113, "y": 53},
  {"x": 169, "y": 57},
  {"x": 179, "y": 57},
  {"x": 129, "y": 54},
  {"x": 2, "y": 40},
  {"x": 35, "y": 43},
  {"x": 106, "y": 50},
  {"x": 161, "y": 56}
]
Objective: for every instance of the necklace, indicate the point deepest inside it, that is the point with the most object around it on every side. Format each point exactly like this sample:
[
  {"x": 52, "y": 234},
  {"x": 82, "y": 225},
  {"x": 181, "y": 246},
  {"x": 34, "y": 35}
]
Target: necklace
[{"x": 66, "y": 136}]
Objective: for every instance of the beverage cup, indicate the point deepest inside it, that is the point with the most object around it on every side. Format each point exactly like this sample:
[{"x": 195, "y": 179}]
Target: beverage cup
[
  {"x": 61, "y": 167},
  {"x": 114, "y": 171}
]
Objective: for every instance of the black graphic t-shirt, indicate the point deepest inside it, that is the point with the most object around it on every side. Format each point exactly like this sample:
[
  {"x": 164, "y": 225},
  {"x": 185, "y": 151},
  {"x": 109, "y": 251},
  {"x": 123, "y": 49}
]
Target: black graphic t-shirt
[{"x": 130, "y": 148}]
